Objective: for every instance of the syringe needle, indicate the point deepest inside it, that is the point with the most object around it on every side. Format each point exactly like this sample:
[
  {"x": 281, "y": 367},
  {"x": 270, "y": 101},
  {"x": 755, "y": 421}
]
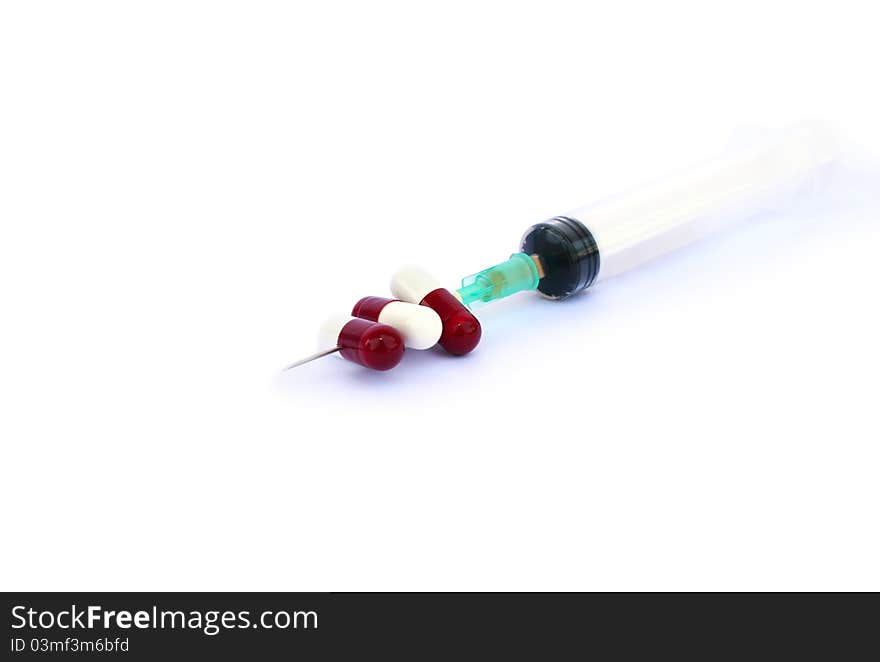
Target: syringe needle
[{"x": 316, "y": 355}]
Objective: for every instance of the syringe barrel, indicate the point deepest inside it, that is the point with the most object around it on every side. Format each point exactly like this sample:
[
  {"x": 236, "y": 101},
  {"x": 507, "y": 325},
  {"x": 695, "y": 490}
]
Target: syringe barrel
[{"x": 598, "y": 241}]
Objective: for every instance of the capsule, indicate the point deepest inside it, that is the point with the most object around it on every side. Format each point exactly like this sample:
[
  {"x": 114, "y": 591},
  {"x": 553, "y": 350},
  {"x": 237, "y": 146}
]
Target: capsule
[
  {"x": 370, "y": 344},
  {"x": 461, "y": 330},
  {"x": 420, "y": 326}
]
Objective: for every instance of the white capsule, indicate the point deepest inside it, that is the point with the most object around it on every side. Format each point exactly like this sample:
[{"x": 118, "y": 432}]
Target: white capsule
[
  {"x": 413, "y": 284},
  {"x": 328, "y": 332},
  {"x": 420, "y": 326}
]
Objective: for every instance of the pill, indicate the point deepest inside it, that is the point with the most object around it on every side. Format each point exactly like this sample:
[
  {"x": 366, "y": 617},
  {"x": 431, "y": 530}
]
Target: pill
[
  {"x": 370, "y": 344},
  {"x": 420, "y": 326},
  {"x": 461, "y": 330}
]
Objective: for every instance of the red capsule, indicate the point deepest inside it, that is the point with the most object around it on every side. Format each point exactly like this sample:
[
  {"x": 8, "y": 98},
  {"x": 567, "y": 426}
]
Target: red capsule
[
  {"x": 372, "y": 345},
  {"x": 461, "y": 330},
  {"x": 419, "y": 326}
]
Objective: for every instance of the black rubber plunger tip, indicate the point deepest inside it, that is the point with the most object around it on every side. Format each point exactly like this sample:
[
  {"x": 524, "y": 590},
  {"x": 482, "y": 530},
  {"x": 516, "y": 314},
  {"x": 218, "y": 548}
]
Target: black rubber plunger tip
[{"x": 568, "y": 253}]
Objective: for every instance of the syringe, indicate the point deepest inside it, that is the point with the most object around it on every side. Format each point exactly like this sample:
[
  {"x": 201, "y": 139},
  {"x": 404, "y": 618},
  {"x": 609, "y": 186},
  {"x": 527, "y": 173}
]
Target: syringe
[{"x": 569, "y": 253}]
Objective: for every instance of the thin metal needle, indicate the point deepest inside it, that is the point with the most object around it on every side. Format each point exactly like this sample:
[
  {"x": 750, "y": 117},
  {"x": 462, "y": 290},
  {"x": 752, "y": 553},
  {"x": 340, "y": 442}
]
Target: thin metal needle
[{"x": 316, "y": 355}]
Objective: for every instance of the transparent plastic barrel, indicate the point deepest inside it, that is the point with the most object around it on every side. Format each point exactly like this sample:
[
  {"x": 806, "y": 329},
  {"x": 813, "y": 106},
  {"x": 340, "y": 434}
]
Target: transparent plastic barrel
[{"x": 634, "y": 227}]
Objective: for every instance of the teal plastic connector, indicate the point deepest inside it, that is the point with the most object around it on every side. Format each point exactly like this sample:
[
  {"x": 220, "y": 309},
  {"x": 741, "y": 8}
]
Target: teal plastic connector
[{"x": 518, "y": 273}]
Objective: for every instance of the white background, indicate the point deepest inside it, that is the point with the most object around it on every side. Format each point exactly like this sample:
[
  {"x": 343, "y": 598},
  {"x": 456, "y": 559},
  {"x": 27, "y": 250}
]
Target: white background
[{"x": 187, "y": 188}]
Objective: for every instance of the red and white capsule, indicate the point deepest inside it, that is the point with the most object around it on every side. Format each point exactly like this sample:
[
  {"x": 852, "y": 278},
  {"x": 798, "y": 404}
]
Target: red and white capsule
[
  {"x": 420, "y": 326},
  {"x": 461, "y": 330},
  {"x": 370, "y": 344}
]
